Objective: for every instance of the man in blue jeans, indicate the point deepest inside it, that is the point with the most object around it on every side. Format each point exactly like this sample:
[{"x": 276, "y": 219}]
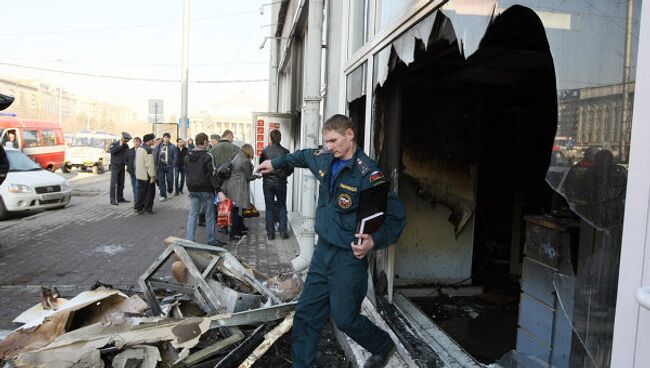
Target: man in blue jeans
[
  {"x": 275, "y": 187},
  {"x": 199, "y": 168},
  {"x": 165, "y": 157}
]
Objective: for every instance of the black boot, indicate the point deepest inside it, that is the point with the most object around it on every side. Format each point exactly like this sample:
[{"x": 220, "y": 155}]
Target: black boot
[{"x": 379, "y": 360}]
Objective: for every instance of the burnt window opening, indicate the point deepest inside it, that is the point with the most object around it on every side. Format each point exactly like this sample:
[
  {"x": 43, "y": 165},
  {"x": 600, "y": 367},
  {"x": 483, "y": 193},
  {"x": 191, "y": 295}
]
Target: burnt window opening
[{"x": 472, "y": 140}]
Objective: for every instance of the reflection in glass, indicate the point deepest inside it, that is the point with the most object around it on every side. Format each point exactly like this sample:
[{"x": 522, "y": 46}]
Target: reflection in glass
[
  {"x": 357, "y": 25},
  {"x": 389, "y": 10}
]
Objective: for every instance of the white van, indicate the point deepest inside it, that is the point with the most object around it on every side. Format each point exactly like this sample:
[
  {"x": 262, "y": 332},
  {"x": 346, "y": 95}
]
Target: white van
[{"x": 88, "y": 150}]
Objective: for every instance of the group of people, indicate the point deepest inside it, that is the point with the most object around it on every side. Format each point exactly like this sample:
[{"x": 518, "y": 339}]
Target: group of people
[
  {"x": 204, "y": 184},
  {"x": 165, "y": 167},
  {"x": 154, "y": 161}
]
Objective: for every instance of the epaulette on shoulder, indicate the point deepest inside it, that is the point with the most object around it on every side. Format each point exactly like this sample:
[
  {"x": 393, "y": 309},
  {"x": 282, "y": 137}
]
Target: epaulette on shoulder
[
  {"x": 319, "y": 152},
  {"x": 364, "y": 163}
]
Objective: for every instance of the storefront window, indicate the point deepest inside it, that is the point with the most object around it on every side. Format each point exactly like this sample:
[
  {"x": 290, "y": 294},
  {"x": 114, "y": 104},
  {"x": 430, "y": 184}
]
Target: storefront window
[
  {"x": 501, "y": 69},
  {"x": 357, "y": 25}
]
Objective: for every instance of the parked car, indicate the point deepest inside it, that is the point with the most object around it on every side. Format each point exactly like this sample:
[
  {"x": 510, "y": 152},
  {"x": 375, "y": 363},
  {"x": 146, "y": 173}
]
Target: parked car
[
  {"x": 88, "y": 150},
  {"x": 30, "y": 187},
  {"x": 41, "y": 140}
]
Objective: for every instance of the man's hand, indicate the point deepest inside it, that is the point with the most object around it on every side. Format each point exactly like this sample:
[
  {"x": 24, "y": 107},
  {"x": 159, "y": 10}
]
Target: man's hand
[
  {"x": 367, "y": 244},
  {"x": 222, "y": 197},
  {"x": 152, "y": 180},
  {"x": 265, "y": 167}
]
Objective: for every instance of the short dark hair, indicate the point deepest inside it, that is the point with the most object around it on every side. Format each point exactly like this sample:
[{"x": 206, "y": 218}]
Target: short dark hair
[
  {"x": 167, "y": 135},
  {"x": 276, "y": 136},
  {"x": 201, "y": 138},
  {"x": 339, "y": 123},
  {"x": 227, "y": 134}
]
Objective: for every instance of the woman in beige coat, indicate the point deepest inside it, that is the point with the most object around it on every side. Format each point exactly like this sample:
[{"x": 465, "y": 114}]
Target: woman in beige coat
[{"x": 238, "y": 189}]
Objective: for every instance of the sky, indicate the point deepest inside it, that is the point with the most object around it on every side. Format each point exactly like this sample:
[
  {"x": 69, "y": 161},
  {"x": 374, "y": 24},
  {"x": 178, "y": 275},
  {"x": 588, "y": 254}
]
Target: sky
[{"x": 142, "y": 39}]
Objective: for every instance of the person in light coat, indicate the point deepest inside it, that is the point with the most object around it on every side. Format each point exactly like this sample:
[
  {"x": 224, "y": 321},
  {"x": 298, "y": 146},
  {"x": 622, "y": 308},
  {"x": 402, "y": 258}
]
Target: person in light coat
[
  {"x": 238, "y": 189},
  {"x": 145, "y": 172}
]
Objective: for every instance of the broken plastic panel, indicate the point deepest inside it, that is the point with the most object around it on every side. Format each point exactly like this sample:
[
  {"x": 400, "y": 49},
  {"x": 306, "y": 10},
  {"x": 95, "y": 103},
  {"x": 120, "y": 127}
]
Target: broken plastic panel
[
  {"x": 470, "y": 20},
  {"x": 588, "y": 300}
]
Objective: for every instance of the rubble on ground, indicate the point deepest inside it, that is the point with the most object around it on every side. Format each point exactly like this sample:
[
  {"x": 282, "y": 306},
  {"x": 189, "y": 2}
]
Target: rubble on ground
[{"x": 203, "y": 308}]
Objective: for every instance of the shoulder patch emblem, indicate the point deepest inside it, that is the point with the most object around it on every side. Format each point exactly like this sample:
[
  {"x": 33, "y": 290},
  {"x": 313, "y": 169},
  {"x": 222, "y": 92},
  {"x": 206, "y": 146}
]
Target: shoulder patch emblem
[
  {"x": 348, "y": 187},
  {"x": 321, "y": 173},
  {"x": 319, "y": 152},
  {"x": 376, "y": 175},
  {"x": 345, "y": 201}
]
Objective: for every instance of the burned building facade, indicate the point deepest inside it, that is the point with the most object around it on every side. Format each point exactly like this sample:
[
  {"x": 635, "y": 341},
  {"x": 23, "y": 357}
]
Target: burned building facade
[{"x": 513, "y": 244}]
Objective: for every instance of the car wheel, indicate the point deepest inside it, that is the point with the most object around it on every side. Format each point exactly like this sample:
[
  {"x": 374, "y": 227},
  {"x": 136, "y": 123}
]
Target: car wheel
[
  {"x": 57, "y": 207},
  {"x": 66, "y": 168},
  {"x": 50, "y": 168},
  {"x": 82, "y": 168}
]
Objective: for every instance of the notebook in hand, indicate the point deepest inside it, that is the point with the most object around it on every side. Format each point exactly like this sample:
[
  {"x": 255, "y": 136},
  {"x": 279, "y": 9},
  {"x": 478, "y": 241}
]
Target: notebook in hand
[{"x": 372, "y": 205}]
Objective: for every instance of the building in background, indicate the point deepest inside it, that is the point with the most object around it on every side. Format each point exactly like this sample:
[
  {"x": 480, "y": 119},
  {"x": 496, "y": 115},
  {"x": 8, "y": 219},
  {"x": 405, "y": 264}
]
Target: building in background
[
  {"x": 214, "y": 124},
  {"x": 35, "y": 100},
  {"x": 470, "y": 107}
]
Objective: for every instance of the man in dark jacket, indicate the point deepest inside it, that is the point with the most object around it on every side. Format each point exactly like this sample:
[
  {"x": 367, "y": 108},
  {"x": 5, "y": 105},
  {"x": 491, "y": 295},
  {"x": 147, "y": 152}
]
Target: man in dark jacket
[
  {"x": 119, "y": 158},
  {"x": 275, "y": 187},
  {"x": 5, "y": 101},
  {"x": 199, "y": 168},
  {"x": 179, "y": 170},
  {"x": 165, "y": 157}
]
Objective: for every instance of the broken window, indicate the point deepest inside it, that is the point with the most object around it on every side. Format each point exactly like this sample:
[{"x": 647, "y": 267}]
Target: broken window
[{"x": 500, "y": 116}]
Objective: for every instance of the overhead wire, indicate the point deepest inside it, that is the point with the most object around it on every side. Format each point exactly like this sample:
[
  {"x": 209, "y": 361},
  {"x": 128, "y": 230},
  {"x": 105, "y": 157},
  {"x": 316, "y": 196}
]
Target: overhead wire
[
  {"x": 119, "y": 28},
  {"x": 159, "y": 80}
]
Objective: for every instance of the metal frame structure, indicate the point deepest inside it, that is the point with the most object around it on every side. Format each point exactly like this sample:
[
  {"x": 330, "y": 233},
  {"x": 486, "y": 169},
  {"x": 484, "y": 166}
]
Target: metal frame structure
[{"x": 197, "y": 285}]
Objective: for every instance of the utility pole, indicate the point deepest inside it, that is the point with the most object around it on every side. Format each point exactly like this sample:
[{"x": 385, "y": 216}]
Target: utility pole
[{"x": 185, "y": 67}]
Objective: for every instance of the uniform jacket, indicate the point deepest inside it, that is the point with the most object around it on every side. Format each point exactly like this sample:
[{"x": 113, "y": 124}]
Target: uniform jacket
[
  {"x": 336, "y": 214},
  {"x": 237, "y": 186},
  {"x": 145, "y": 167},
  {"x": 198, "y": 169},
  {"x": 269, "y": 153},
  {"x": 171, "y": 152},
  {"x": 119, "y": 154},
  {"x": 223, "y": 152}
]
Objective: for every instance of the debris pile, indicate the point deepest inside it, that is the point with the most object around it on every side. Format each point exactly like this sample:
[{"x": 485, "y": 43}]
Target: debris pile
[{"x": 204, "y": 308}]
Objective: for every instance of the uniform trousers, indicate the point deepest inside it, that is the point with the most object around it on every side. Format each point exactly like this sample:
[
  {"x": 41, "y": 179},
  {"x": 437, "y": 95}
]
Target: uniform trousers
[
  {"x": 336, "y": 285},
  {"x": 117, "y": 183}
]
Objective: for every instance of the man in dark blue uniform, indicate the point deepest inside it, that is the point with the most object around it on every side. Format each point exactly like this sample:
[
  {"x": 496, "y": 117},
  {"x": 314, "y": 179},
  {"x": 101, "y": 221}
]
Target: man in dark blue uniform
[
  {"x": 338, "y": 275},
  {"x": 119, "y": 158}
]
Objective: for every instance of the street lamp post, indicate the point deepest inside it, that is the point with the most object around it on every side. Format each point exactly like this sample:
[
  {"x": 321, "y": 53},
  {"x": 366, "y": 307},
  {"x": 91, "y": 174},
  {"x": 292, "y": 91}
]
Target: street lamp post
[{"x": 185, "y": 67}]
